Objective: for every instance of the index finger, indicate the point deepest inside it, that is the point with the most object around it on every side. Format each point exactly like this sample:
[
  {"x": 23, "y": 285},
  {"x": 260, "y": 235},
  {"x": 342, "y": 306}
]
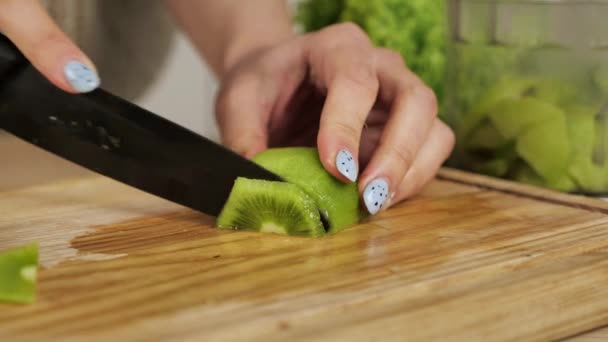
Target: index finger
[
  {"x": 27, "y": 24},
  {"x": 345, "y": 67}
]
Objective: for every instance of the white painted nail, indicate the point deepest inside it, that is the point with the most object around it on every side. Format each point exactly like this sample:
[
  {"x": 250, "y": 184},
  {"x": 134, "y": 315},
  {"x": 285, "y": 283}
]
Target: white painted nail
[
  {"x": 375, "y": 194},
  {"x": 347, "y": 165},
  {"x": 81, "y": 77}
]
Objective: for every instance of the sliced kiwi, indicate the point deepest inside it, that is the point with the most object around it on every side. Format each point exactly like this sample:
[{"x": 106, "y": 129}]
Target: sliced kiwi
[
  {"x": 310, "y": 203},
  {"x": 18, "y": 268},
  {"x": 338, "y": 201},
  {"x": 271, "y": 207}
]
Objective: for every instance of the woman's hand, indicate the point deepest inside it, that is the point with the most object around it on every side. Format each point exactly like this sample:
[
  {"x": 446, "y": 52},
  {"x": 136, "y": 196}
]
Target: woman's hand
[
  {"x": 45, "y": 45},
  {"x": 360, "y": 105}
]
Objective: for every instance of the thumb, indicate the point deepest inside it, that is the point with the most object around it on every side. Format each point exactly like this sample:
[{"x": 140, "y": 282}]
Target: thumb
[
  {"x": 243, "y": 118},
  {"x": 46, "y": 46}
]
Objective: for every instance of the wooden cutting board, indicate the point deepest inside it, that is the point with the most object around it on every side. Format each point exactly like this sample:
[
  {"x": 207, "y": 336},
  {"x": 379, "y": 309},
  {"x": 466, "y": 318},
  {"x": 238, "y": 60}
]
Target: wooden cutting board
[{"x": 469, "y": 259}]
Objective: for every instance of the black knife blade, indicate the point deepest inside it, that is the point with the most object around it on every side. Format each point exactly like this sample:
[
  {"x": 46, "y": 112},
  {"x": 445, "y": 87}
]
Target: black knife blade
[{"x": 118, "y": 139}]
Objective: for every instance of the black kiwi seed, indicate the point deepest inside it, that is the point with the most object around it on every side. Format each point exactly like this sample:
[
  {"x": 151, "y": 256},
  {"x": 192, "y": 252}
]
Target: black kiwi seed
[{"x": 324, "y": 221}]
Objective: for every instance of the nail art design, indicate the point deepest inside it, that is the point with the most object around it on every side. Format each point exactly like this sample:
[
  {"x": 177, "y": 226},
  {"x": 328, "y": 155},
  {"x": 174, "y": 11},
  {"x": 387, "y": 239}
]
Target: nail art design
[
  {"x": 81, "y": 77},
  {"x": 347, "y": 165},
  {"x": 375, "y": 194}
]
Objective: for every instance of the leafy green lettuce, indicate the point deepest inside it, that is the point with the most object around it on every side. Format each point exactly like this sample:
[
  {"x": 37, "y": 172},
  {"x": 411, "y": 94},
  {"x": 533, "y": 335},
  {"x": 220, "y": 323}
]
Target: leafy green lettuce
[{"x": 414, "y": 28}]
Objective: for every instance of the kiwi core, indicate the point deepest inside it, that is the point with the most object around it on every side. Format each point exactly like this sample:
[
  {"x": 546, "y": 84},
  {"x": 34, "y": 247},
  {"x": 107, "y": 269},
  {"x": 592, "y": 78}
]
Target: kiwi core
[
  {"x": 311, "y": 201},
  {"x": 271, "y": 227}
]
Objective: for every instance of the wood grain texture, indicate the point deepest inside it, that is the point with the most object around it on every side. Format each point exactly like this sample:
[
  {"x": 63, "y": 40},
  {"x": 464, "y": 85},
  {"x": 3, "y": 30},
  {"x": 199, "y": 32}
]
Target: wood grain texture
[
  {"x": 599, "y": 335},
  {"x": 470, "y": 259},
  {"x": 22, "y": 165}
]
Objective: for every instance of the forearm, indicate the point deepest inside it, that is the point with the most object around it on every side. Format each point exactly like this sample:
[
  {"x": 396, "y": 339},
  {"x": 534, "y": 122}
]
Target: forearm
[{"x": 223, "y": 31}]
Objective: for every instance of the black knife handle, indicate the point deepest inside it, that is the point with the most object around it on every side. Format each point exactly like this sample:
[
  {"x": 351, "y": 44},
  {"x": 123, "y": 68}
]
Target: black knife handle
[{"x": 10, "y": 57}]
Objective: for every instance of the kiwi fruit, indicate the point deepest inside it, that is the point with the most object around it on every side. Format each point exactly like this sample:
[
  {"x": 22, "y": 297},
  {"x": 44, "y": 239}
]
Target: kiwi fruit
[
  {"x": 311, "y": 202},
  {"x": 18, "y": 268},
  {"x": 271, "y": 207}
]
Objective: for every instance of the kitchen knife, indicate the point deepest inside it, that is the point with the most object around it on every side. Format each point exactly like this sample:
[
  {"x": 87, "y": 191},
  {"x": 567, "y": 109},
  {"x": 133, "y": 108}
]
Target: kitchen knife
[{"x": 118, "y": 139}]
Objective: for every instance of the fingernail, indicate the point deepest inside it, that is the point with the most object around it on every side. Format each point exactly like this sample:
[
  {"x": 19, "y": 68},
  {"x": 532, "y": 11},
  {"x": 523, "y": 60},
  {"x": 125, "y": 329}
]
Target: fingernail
[
  {"x": 375, "y": 194},
  {"x": 347, "y": 165},
  {"x": 81, "y": 77}
]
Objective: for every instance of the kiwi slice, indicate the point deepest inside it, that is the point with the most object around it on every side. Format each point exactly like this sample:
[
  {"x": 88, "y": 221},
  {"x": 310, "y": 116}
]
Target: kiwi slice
[
  {"x": 18, "y": 268},
  {"x": 310, "y": 203},
  {"x": 338, "y": 202},
  {"x": 271, "y": 207}
]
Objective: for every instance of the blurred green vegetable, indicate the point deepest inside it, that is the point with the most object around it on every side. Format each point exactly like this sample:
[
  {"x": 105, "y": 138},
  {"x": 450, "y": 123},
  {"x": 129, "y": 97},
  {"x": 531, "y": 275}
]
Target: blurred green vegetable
[
  {"x": 18, "y": 268},
  {"x": 314, "y": 15},
  {"x": 414, "y": 28},
  {"x": 537, "y": 115},
  {"x": 540, "y": 131}
]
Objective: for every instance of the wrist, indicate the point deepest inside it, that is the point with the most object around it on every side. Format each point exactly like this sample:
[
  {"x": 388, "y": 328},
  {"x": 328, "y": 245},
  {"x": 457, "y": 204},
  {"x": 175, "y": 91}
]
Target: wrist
[
  {"x": 238, "y": 51},
  {"x": 250, "y": 43},
  {"x": 225, "y": 32}
]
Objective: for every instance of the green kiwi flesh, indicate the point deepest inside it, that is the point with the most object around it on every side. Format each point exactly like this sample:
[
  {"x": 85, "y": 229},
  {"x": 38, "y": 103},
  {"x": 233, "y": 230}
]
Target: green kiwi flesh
[
  {"x": 310, "y": 203},
  {"x": 18, "y": 268},
  {"x": 338, "y": 202},
  {"x": 271, "y": 207}
]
